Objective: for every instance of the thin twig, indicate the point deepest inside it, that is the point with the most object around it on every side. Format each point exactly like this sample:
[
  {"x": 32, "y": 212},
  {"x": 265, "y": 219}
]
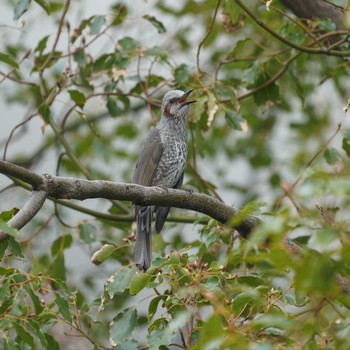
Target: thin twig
[
  {"x": 12, "y": 132},
  {"x": 207, "y": 35},
  {"x": 58, "y": 34},
  {"x": 324, "y": 146},
  {"x": 7, "y": 75}
]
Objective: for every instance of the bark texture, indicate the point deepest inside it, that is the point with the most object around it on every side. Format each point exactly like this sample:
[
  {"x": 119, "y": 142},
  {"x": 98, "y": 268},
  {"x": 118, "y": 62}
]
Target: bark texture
[{"x": 310, "y": 9}]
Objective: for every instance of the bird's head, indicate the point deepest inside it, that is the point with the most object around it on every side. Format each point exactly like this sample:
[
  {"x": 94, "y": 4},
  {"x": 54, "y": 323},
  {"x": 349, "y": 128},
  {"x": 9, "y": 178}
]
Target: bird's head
[{"x": 175, "y": 104}]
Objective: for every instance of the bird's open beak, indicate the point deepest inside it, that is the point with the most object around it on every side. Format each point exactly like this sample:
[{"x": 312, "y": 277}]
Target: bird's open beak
[{"x": 183, "y": 99}]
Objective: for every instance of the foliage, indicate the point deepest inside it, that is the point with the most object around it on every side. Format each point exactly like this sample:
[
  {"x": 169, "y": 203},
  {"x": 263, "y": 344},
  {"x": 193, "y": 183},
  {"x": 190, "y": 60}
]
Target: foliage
[{"x": 267, "y": 127}]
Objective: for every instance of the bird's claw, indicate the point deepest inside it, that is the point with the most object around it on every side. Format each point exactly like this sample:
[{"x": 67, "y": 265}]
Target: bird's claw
[
  {"x": 188, "y": 190},
  {"x": 163, "y": 187}
]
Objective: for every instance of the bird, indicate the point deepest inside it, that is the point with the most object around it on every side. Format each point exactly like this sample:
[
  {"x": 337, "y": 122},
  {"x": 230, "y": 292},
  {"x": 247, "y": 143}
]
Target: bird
[{"x": 161, "y": 162}]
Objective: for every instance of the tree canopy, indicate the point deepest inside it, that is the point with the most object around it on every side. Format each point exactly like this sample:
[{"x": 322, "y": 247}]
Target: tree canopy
[{"x": 262, "y": 259}]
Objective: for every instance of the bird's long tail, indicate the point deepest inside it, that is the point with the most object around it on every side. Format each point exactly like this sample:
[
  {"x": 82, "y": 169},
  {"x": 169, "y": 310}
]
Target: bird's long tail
[{"x": 143, "y": 244}]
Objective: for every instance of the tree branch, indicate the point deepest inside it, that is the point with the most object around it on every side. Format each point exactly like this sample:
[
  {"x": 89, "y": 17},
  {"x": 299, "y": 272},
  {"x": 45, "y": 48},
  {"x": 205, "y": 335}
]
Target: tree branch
[
  {"x": 315, "y": 9},
  {"x": 27, "y": 176},
  {"x": 27, "y": 213},
  {"x": 59, "y": 188},
  {"x": 73, "y": 188},
  {"x": 305, "y": 49}
]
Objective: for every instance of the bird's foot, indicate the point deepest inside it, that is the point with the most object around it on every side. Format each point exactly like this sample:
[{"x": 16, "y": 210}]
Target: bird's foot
[
  {"x": 188, "y": 190},
  {"x": 163, "y": 187}
]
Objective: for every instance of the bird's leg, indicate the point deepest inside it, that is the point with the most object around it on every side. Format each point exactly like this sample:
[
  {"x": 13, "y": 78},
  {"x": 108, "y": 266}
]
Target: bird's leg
[
  {"x": 163, "y": 187},
  {"x": 188, "y": 190}
]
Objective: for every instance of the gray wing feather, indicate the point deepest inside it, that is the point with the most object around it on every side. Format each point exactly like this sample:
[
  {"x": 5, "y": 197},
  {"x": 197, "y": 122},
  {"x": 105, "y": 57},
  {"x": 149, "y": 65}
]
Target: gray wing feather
[
  {"x": 144, "y": 173},
  {"x": 149, "y": 158}
]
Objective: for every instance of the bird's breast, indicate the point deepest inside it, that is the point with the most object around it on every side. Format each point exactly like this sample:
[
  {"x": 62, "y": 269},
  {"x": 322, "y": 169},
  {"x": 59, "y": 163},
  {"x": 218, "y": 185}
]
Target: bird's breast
[{"x": 172, "y": 162}]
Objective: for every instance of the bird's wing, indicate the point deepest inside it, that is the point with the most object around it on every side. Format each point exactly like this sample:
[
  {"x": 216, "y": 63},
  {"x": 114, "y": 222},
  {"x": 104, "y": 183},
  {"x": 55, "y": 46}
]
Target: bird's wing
[{"x": 149, "y": 158}]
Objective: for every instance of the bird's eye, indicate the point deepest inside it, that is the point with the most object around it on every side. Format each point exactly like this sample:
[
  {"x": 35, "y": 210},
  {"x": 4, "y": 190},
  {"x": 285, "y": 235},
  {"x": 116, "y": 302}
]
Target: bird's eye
[{"x": 172, "y": 100}]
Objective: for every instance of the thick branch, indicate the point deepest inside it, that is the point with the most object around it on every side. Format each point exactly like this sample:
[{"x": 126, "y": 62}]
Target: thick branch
[
  {"x": 315, "y": 9},
  {"x": 72, "y": 188},
  {"x": 27, "y": 213},
  {"x": 305, "y": 49},
  {"x": 27, "y": 176}
]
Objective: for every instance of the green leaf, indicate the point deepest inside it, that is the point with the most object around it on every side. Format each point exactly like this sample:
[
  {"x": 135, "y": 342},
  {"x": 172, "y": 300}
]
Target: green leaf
[
  {"x": 128, "y": 344},
  {"x": 119, "y": 282},
  {"x": 7, "y": 304},
  {"x": 112, "y": 106},
  {"x": 182, "y": 74},
  {"x": 58, "y": 269},
  {"x": 3, "y": 246},
  {"x": 271, "y": 93},
  {"x": 80, "y": 57},
  {"x": 44, "y": 111},
  {"x": 11, "y": 345},
  {"x": 157, "y": 51},
  {"x": 308, "y": 280},
  {"x": 248, "y": 297},
  {"x": 87, "y": 232},
  {"x": 122, "y": 326},
  {"x": 63, "y": 307},
  {"x": 3, "y": 289},
  {"x": 41, "y": 46},
  {"x": 20, "y": 277},
  {"x": 293, "y": 32},
  {"x": 45, "y": 5},
  {"x": 15, "y": 247},
  {"x": 8, "y": 60},
  {"x": 234, "y": 11},
  {"x": 20, "y": 8},
  {"x": 252, "y": 74},
  {"x": 274, "y": 320},
  {"x": 103, "y": 254},
  {"x": 240, "y": 46},
  {"x": 212, "y": 330},
  {"x": 332, "y": 156},
  {"x": 212, "y": 282},
  {"x": 8, "y": 229},
  {"x": 128, "y": 44},
  {"x": 25, "y": 336},
  {"x": 346, "y": 143},
  {"x": 161, "y": 333},
  {"x": 120, "y": 14},
  {"x": 60, "y": 244},
  {"x": 8, "y": 214},
  {"x": 127, "y": 131},
  {"x": 52, "y": 343},
  {"x": 325, "y": 24},
  {"x": 236, "y": 121},
  {"x": 215, "y": 267},
  {"x": 174, "y": 259},
  {"x": 140, "y": 281},
  {"x": 156, "y": 23},
  {"x": 251, "y": 280},
  {"x": 77, "y": 97},
  {"x": 38, "y": 307},
  {"x": 105, "y": 61},
  {"x": 96, "y": 24},
  {"x": 325, "y": 236},
  {"x": 153, "y": 306},
  {"x": 35, "y": 327},
  {"x": 77, "y": 31}
]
